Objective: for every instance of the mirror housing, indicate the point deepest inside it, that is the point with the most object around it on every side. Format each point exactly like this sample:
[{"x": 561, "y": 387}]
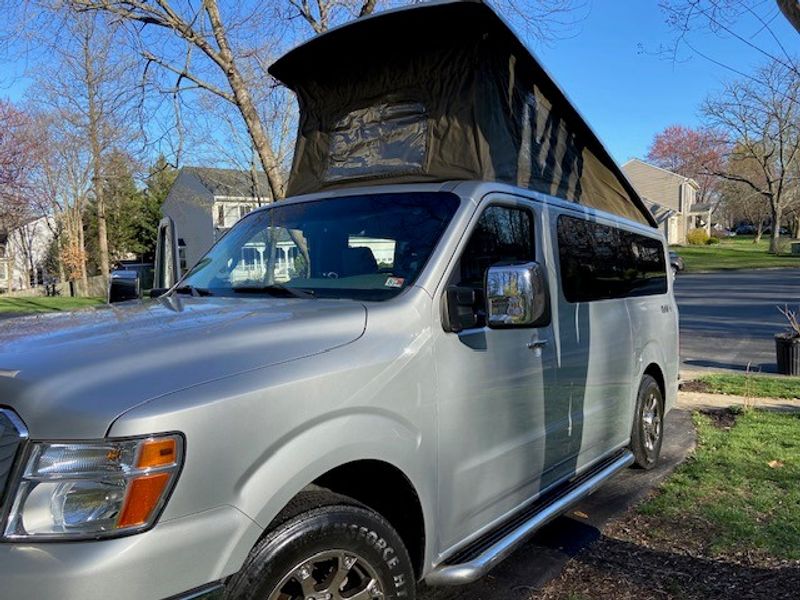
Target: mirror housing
[
  {"x": 459, "y": 306},
  {"x": 516, "y": 296},
  {"x": 123, "y": 286}
]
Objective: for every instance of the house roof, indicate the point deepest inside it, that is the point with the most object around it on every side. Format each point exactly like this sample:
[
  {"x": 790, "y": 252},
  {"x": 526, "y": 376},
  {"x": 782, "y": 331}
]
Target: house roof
[
  {"x": 688, "y": 180},
  {"x": 231, "y": 182},
  {"x": 659, "y": 211}
]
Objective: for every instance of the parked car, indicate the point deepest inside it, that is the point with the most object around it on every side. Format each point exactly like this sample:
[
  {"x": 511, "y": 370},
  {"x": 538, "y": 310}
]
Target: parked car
[
  {"x": 676, "y": 262},
  {"x": 449, "y": 361},
  {"x": 745, "y": 229}
]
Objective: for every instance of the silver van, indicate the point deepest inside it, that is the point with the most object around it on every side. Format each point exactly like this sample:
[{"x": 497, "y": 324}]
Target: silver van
[
  {"x": 450, "y": 367},
  {"x": 457, "y": 326}
]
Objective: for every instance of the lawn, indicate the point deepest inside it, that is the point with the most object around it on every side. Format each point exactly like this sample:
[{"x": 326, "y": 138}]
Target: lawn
[
  {"x": 740, "y": 492},
  {"x": 725, "y": 525},
  {"x": 40, "y": 304},
  {"x": 751, "y": 386},
  {"x": 735, "y": 253}
]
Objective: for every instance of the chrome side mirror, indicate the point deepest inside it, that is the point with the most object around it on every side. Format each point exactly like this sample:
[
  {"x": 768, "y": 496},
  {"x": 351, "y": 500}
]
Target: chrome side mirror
[{"x": 516, "y": 296}]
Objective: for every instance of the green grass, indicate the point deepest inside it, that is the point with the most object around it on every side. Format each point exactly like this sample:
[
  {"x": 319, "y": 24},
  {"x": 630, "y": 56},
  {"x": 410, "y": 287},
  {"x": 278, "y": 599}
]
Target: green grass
[
  {"x": 40, "y": 305},
  {"x": 733, "y": 494},
  {"x": 736, "y": 253},
  {"x": 753, "y": 386}
]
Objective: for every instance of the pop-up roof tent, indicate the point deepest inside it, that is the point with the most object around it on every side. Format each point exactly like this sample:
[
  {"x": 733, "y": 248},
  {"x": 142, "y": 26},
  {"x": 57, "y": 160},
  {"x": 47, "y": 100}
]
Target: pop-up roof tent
[{"x": 436, "y": 92}]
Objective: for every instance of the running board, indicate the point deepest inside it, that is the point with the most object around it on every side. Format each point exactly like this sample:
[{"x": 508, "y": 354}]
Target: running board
[{"x": 482, "y": 555}]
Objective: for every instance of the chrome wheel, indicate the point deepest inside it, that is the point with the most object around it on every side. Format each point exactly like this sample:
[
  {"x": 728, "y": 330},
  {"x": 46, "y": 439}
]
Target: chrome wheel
[
  {"x": 330, "y": 575},
  {"x": 652, "y": 423}
]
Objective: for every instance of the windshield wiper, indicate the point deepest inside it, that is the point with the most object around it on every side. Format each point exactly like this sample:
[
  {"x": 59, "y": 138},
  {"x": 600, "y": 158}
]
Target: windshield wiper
[
  {"x": 276, "y": 289},
  {"x": 193, "y": 291}
]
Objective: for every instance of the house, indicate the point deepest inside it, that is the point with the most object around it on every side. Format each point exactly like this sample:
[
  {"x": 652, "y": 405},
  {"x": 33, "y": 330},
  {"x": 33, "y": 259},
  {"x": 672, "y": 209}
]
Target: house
[
  {"x": 672, "y": 199},
  {"x": 23, "y": 252},
  {"x": 205, "y": 202}
]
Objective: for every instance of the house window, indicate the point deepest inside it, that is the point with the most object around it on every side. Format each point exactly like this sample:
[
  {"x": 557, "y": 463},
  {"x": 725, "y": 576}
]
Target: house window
[{"x": 220, "y": 215}]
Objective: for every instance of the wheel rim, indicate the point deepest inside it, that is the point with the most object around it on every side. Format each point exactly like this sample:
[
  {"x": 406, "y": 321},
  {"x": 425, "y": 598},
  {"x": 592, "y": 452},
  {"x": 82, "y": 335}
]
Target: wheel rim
[
  {"x": 651, "y": 423},
  {"x": 330, "y": 575}
]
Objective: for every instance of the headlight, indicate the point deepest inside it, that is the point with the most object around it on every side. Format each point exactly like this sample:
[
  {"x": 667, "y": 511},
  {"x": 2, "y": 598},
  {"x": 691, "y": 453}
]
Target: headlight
[{"x": 95, "y": 489}]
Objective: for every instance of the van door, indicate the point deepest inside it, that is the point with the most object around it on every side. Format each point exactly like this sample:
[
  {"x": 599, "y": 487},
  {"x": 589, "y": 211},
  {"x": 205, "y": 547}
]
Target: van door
[
  {"x": 495, "y": 443},
  {"x": 595, "y": 339}
]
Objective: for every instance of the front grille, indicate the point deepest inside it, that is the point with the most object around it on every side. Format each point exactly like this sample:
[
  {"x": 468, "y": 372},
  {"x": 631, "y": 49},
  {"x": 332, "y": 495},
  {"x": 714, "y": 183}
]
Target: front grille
[{"x": 12, "y": 434}]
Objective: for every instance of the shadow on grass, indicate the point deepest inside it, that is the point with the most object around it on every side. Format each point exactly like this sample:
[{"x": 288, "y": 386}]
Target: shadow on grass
[{"x": 663, "y": 574}]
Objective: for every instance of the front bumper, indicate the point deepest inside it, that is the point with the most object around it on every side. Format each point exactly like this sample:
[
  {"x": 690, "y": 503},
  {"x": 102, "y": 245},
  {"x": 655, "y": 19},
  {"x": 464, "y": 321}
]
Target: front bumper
[{"x": 175, "y": 556}]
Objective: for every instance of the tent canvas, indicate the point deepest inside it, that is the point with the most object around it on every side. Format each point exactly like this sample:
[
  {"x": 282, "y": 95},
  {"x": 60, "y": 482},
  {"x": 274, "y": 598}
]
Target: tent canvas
[{"x": 436, "y": 92}]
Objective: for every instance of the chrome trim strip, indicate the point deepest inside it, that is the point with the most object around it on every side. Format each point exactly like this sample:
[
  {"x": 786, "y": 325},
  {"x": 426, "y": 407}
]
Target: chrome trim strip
[
  {"x": 213, "y": 591},
  {"x": 475, "y": 569}
]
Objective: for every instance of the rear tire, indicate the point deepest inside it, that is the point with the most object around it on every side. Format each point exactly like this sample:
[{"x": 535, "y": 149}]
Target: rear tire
[
  {"x": 648, "y": 424},
  {"x": 338, "y": 552}
]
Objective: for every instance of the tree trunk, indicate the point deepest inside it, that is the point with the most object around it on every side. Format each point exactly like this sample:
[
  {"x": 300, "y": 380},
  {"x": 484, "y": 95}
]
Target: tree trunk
[
  {"x": 774, "y": 237},
  {"x": 82, "y": 248},
  {"x": 97, "y": 162},
  {"x": 759, "y": 232},
  {"x": 796, "y": 227}
]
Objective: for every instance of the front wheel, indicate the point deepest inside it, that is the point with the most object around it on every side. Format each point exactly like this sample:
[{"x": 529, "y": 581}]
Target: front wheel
[
  {"x": 331, "y": 553},
  {"x": 648, "y": 424}
]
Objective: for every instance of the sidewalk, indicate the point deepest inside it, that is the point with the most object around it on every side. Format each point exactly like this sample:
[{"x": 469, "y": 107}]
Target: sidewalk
[{"x": 706, "y": 401}]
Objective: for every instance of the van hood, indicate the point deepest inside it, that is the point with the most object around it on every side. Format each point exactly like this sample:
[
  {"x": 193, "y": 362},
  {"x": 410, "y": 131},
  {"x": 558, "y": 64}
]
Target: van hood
[{"x": 70, "y": 375}]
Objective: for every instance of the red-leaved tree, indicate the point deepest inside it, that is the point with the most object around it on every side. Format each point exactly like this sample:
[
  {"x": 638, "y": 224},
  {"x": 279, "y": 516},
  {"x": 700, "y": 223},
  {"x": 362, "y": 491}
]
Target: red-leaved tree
[
  {"x": 695, "y": 153},
  {"x": 16, "y": 151}
]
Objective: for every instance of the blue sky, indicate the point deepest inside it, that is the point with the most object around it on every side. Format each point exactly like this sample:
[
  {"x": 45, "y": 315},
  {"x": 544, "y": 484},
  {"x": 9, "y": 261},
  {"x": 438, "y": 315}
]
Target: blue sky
[
  {"x": 611, "y": 67},
  {"x": 628, "y": 91}
]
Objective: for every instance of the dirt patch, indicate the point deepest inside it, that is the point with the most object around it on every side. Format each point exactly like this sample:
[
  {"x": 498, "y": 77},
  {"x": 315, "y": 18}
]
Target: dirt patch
[
  {"x": 721, "y": 418},
  {"x": 695, "y": 386},
  {"x": 639, "y": 559}
]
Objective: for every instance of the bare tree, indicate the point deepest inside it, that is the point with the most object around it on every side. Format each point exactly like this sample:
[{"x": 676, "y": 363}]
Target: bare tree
[
  {"x": 761, "y": 119},
  {"x": 751, "y": 24}
]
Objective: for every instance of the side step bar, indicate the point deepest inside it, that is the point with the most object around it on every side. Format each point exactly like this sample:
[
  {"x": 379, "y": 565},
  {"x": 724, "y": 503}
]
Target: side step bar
[{"x": 482, "y": 555}]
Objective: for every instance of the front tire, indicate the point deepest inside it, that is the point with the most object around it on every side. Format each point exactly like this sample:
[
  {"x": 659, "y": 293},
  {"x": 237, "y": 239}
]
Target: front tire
[
  {"x": 648, "y": 424},
  {"x": 337, "y": 552}
]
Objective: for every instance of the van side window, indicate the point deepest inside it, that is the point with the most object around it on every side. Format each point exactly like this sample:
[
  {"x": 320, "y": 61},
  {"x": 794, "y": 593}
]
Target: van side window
[
  {"x": 600, "y": 262},
  {"x": 502, "y": 234}
]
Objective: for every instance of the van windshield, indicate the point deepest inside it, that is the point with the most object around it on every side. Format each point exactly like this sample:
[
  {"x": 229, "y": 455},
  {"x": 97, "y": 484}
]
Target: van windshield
[{"x": 366, "y": 247}]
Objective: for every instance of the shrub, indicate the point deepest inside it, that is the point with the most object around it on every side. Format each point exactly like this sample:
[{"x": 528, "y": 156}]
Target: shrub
[
  {"x": 697, "y": 237},
  {"x": 712, "y": 240}
]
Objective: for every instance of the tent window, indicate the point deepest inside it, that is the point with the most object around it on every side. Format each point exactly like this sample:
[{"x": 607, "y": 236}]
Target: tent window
[{"x": 380, "y": 140}]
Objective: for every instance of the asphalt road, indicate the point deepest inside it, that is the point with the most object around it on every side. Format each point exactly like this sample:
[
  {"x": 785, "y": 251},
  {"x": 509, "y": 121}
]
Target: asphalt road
[
  {"x": 729, "y": 319},
  {"x": 545, "y": 555}
]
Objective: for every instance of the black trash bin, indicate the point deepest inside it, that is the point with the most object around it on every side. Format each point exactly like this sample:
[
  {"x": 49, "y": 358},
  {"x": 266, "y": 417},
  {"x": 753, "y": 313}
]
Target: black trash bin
[{"x": 787, "y": 349}]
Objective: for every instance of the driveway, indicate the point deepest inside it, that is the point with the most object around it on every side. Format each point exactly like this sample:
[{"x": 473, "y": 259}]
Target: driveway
[
  {"x": 728, "y": 319},
  {"x": 545, "y": 555}
]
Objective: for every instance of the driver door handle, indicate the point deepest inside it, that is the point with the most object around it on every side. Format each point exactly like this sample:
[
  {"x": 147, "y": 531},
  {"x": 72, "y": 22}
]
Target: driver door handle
[{"x": 534, "y": 344}]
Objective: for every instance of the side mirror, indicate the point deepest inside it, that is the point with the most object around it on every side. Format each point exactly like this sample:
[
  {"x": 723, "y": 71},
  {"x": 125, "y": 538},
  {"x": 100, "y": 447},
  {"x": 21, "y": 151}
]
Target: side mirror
[
  {"x": 516, "y": 296},
  {"x": 124, "y": 285}
]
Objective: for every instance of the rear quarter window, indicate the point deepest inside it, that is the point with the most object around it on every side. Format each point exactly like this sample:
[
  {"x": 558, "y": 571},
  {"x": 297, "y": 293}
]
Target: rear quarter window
[{"x": 601, "y": 262}]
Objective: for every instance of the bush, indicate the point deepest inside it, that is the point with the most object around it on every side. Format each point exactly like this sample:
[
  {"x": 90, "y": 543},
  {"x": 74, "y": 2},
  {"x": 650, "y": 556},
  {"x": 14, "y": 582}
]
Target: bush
[
  {"x": 712, "y": 240},
  {"x": 697, "y": 237}
]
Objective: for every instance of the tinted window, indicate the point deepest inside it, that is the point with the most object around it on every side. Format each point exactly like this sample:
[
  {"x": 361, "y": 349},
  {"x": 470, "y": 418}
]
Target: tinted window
[
  {"x": 600, "y": 262},
  {"x": 502, "y": 234}
]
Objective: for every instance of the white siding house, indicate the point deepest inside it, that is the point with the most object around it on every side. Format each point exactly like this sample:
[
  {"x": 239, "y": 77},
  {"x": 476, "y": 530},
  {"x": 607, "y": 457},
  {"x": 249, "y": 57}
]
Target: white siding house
[
  {"x": 672, "y": 199},
  {"x": 23, "y": 252},
  {"x": 204, "y": 203}
]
